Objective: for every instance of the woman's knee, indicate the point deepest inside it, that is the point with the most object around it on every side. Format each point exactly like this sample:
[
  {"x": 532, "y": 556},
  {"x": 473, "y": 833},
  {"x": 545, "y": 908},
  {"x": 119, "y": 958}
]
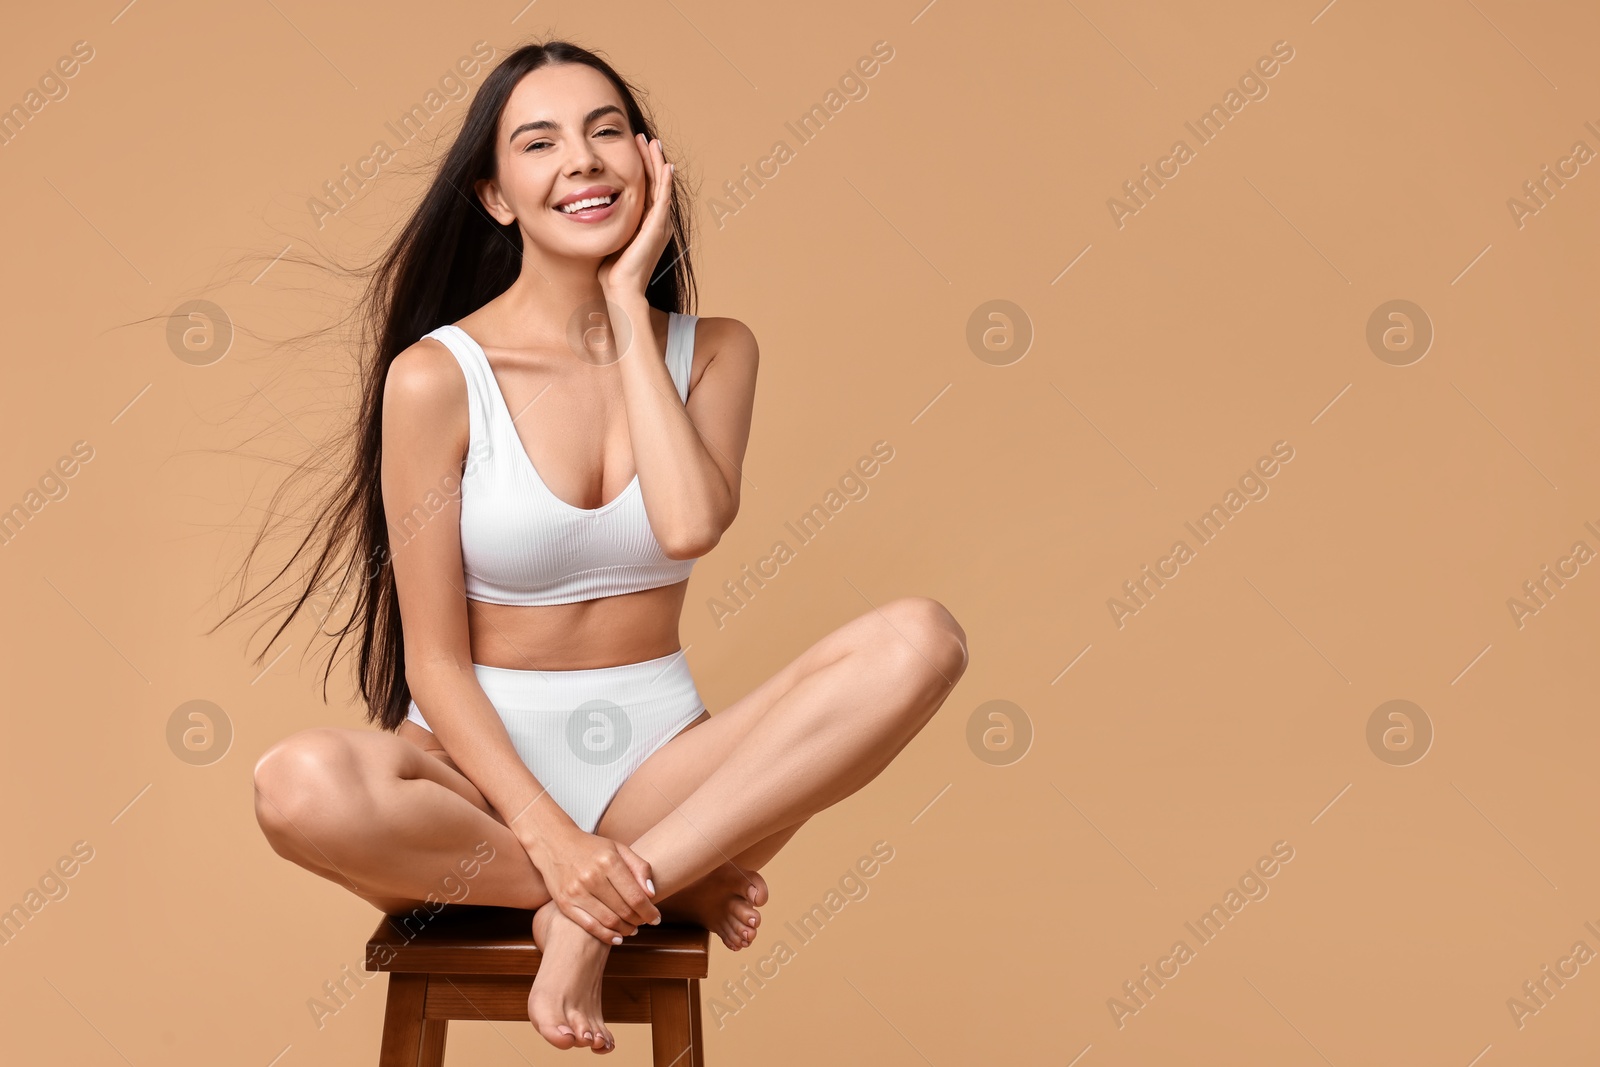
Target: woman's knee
[
  {"x": 925, "y": 636},
  {"x": 304, "y": 778}
]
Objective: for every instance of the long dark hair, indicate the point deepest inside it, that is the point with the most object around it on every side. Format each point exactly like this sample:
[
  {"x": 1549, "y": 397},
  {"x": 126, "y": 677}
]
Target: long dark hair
[{"x": 449, "y": 259}]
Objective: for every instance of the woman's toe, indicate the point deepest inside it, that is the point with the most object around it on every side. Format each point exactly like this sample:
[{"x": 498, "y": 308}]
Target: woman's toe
[
  {"x": 757, "y": 891},
  {"x": 559, "y": 1036}
]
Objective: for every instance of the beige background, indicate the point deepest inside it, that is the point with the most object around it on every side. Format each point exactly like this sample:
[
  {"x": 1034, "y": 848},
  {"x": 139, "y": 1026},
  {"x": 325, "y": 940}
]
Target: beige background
[{"x": 1228, "y": 314}]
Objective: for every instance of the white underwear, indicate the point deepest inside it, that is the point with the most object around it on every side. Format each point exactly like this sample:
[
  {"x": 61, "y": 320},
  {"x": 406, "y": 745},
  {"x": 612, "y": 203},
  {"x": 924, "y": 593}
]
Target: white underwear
[{"x": 583, "y": 733}]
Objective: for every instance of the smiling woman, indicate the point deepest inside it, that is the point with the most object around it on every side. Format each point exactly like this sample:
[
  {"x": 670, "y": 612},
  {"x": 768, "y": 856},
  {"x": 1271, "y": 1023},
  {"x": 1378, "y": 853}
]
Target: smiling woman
[{"x": 532, "y": 336}]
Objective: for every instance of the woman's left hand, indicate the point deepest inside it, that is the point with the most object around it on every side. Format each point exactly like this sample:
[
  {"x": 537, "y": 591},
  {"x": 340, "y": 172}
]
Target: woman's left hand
[{"x": 625, "y": 273}]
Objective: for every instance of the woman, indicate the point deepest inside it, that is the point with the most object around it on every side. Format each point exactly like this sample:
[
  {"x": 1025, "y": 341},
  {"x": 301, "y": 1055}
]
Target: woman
[{"x": 547, "y": 443}]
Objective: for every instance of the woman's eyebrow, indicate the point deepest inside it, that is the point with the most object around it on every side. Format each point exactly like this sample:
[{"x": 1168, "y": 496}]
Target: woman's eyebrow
[{"x": 551, "y": 124}]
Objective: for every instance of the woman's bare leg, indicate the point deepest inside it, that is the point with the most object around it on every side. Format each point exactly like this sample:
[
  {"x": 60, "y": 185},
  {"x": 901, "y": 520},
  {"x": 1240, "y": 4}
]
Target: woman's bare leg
[
  {"x": 375, "y": 812},
  {"x": 817, "y": 731},
  {"x": 390, "y": 822},
  {"x": 726, "y": 900}
]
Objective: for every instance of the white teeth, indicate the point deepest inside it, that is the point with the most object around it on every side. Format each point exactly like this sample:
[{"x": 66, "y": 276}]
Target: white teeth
[{"x": 579, "y": 205}]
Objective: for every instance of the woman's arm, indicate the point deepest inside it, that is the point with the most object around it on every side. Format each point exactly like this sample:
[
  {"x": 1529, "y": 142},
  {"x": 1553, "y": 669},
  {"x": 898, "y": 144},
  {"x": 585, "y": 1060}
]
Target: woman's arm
[
  {"x": 689, "y": 455},
  {"x": 425, "y": 436}
]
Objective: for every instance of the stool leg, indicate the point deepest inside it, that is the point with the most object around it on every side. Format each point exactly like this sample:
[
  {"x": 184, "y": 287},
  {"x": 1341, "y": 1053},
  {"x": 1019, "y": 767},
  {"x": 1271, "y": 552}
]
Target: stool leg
[
  {"x": 696, "y": 1034},
  {"x": 402, "y": 1021},
  {"x": 433, "y": 1033},
  {"x": 671, "y": 1029}
]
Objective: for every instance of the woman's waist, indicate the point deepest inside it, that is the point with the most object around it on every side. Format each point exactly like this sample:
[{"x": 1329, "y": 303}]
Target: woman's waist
[
  {"x": 662, "y": 686},
  {"x": 588, "y": 635},
  {"x": 615, "y": 670}
]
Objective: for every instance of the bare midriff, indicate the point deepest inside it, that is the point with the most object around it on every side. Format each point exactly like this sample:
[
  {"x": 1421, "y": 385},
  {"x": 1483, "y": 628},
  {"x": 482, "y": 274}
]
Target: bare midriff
[{"x": 604, "y": 632}]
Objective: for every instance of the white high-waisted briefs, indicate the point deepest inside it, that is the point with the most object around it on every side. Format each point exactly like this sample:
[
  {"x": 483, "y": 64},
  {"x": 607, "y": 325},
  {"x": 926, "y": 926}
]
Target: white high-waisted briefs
[{"x": 583, "y": 733}]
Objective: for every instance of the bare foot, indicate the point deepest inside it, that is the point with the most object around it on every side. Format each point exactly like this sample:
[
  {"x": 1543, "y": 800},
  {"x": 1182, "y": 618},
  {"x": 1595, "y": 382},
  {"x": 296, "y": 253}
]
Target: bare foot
[
  {"x": 564, "y": 1003},
  {"x": 724, "y": 902}
]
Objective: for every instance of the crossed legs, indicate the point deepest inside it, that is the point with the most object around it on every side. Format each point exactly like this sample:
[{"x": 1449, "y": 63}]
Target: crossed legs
[
  {"x": 736, "y": 787},
  {"x": 391, "y": 822},
  {"x": 814, "y": 733}
]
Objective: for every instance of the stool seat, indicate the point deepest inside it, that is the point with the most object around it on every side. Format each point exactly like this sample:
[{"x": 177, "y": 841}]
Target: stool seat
[{"x": 469, "y": 961}]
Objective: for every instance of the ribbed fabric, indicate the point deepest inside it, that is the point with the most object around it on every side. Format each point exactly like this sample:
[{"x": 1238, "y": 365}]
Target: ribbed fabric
[
  {"x": 522, "y": 544},
  {"x": 583, "y": 733}
]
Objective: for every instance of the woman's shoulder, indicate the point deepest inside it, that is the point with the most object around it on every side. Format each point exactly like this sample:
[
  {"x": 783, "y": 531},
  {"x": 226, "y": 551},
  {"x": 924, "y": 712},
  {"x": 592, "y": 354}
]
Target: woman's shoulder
[
  {"x": 425, "y": 376},
  {"x": 724, "y": 338}
]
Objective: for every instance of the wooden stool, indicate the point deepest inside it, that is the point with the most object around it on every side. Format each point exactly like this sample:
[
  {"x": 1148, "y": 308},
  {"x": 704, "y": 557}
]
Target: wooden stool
[{"x": 478, "y": 962}]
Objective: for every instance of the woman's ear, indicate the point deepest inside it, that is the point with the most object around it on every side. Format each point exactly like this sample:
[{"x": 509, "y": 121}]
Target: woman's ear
[{"x": 488, "y": 191}]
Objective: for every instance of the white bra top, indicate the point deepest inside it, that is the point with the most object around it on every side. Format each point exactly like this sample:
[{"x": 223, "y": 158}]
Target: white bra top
[{"x": 520, "y": 543}]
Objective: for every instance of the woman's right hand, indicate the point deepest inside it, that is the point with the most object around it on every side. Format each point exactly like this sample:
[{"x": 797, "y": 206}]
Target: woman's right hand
[{"x": 598, "y": 883}]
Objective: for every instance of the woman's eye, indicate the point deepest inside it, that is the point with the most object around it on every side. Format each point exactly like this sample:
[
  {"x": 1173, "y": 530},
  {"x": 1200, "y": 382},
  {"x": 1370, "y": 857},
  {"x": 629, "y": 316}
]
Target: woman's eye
[{"x": 531, "y": 145}]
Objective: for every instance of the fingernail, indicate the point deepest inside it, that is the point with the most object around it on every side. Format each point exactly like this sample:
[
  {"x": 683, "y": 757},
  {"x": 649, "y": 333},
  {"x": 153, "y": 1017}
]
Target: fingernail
[
  {"x": 616, "y": 940},
  {"x": 650, "y": 884}
]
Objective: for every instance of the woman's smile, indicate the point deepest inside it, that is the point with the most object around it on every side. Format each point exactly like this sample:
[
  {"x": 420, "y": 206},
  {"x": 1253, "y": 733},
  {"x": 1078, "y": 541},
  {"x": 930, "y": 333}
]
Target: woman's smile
[{"x": 598, "y": 203}]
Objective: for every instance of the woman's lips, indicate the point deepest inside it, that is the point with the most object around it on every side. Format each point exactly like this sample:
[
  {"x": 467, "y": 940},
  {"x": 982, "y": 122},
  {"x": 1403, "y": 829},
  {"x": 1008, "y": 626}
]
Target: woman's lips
[{"x": 591, "y": 214}]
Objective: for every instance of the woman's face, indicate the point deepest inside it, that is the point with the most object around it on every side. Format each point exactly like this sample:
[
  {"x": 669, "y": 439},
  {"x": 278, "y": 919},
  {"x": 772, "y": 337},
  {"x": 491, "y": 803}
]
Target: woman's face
[{"x": 563, "y": 138}]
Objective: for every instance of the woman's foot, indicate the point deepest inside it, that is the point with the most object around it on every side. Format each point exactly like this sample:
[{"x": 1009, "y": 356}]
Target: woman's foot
[
  {"x": 724, "y": 902},
  {"x": 564, "y": 1004}
]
